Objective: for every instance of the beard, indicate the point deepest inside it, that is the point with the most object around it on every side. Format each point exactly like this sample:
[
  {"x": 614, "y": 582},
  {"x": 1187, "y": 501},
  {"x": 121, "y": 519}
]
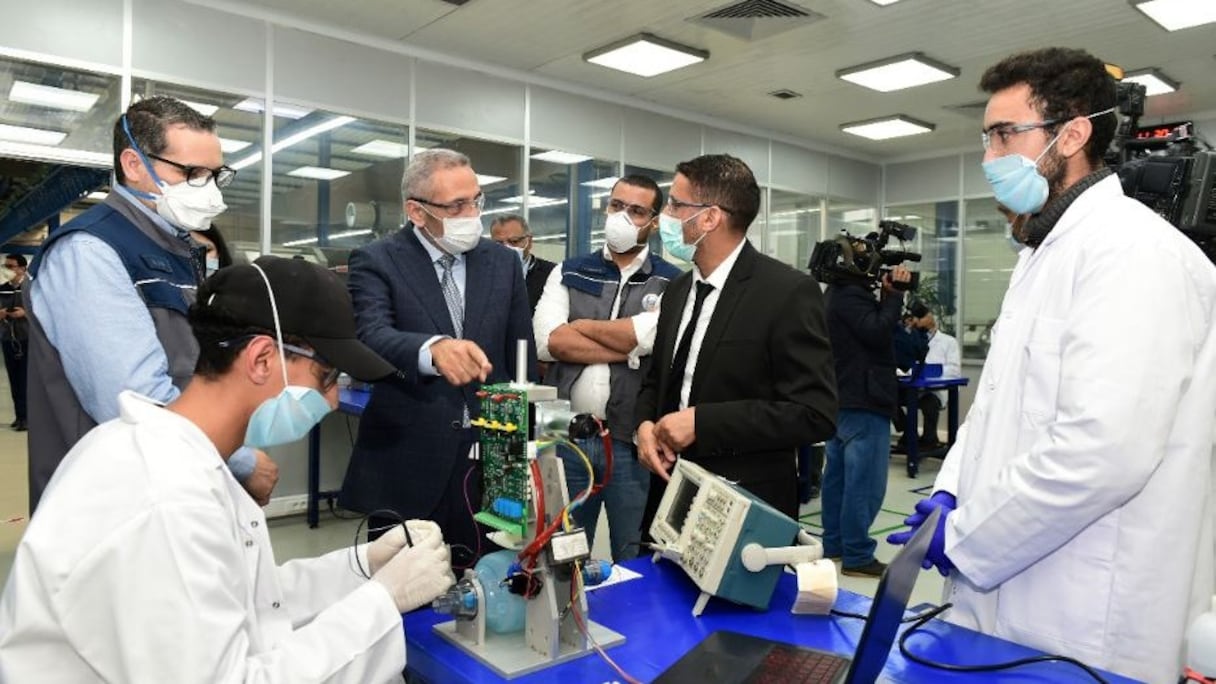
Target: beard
[{"x": 1055, "y": 168}]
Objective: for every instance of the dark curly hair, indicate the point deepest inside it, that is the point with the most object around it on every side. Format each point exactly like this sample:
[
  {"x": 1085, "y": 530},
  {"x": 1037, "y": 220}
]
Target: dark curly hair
[
  {"x": 727, "y": 182},
  {"x": 1064, "y": 83}
]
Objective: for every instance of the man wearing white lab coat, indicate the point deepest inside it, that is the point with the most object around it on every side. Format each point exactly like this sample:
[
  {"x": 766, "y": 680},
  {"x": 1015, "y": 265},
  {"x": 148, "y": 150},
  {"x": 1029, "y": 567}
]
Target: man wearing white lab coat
[
  {"x": 148, "y": 562},
  {"x": 1078, "y": 496}
]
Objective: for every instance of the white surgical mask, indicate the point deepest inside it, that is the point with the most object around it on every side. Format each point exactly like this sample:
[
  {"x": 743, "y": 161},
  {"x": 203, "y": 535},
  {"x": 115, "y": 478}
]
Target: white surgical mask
[
  {"x": 460, "y": 234},
  {"x": 619, "y": 233},
  {"x": 519, "y": 252}
]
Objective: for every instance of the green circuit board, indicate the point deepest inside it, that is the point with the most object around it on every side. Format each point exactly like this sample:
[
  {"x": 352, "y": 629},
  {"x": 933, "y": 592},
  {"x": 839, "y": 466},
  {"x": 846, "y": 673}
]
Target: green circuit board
[{"x": 503, "y": 446}]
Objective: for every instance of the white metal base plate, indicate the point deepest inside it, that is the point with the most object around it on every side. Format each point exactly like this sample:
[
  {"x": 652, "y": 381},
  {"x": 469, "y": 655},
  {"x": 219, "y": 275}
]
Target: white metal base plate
[{"x": 509, "y": 655}]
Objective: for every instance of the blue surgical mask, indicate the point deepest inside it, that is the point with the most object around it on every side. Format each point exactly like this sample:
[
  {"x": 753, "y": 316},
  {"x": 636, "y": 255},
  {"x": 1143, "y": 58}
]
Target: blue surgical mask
[
  {"x": 289, "y": 415},
  {"x": 671, "y": 230},
  {"x": 1016, "y": 181},
  {"x": 213, "y": 265}
]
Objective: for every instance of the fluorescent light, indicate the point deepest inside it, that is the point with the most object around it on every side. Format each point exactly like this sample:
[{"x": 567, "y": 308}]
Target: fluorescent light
[
  {"x": 534, "y": 200},
  {"x": 884, "y": 3},
  {"x": 1175, "y": 15},
  {"x": 34, "y": 136},
  {"x": 228, "y": 145},
  {"x": 887, "y": 127},
  {"x": 383, "y": 148},
  {"x": 1154, "y": 82},
  {"x": 305, "y": 241},
  {"x": 204, "y": 109},
  {"x": 484, "y": 180},
  {"x": 318, "y": 173},
  {"x": 897, "y": 73},
  {"x": 559, "y": 157},
  {"x": 645, "y": 55},
  {"x": 50, "y": 96},
  {"x": 57, "y": 154},
  {"x": 294, "y": 138},
  {"x": 601, "y": 182},
  {"x": 333, "y": 236},
  {"x": 286, "y": 111},
  {"x": 96, "y": 195}
]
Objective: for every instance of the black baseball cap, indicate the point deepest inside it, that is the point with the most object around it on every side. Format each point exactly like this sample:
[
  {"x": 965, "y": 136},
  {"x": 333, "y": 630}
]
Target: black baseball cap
[
  {"x": 918, "y": 309},
  {"x": 313, "y": 305}
]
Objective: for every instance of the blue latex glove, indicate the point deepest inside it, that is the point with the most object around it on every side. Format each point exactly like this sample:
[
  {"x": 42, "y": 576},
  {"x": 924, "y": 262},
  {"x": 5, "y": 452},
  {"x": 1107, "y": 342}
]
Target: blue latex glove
[
  {"x": 936, "y": 555},
  {"x": 942, "y": 500}
]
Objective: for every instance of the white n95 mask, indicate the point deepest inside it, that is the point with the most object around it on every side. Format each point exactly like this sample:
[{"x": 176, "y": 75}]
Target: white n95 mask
[
  {"x": 188, "y": 206},
  {"x": 619, "y": 232}
]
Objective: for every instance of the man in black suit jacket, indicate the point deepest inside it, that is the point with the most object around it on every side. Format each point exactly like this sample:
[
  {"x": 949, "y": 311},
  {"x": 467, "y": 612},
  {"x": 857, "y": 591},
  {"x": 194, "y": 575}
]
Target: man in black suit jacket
[
  {"x": 446, "y": 307},
  {"x": 757, "y": 378}
]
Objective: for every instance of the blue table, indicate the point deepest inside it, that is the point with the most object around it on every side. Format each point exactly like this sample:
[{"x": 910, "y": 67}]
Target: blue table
[
  {"x": 951, "y": 386},
  {"x": 653, "y": 612},
  {"x": 351, "y": 402}
]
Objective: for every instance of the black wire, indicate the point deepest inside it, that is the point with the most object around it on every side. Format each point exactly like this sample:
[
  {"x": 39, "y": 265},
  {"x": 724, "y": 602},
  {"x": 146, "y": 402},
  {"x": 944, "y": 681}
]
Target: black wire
[
  {"x": 933, "y": 612},
  {"x": 335, "y": 511},
  {"x": 381, "y": 512},
  {"x": 950, "y": 667}
]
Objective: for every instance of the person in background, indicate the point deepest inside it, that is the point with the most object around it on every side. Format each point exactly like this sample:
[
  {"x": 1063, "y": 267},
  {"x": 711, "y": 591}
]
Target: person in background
[
  {"x": 218, "y": 256},
  {"x": 512, "y": 231},
  {"x": 447, "y": 308},
  {"x": 147, "y": 561},
  {"x": 1077, "y": 509},
  {"x": 943, "y": 350},
  {"x": 14, "y": 335},
  {"x": 862, "y": 327},
  {"x": 595, "y": 323},
  {"x": 911, "y": 345},
  {"x": 109, "y": 290}
]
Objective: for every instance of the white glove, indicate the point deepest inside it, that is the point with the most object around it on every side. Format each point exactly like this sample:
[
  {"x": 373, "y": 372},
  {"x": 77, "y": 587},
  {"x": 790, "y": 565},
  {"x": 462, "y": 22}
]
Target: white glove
[
  {"x": 388, "y": 544},
  {"x": 417, "y": 574}
]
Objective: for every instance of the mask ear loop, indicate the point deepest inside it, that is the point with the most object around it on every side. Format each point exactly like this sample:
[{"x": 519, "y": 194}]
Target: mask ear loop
[
  {"x": 147, "y": 164},
  {"x": 278, "y": 330}
]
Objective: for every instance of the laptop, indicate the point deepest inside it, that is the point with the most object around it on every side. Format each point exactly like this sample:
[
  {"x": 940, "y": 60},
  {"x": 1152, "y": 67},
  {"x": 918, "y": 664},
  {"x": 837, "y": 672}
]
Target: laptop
[{"x": 733, "y": 657}]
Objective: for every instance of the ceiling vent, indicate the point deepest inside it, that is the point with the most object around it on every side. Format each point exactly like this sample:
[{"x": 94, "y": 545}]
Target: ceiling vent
[
  {"x": 785, "y": 94},
  {"x": 757, "y": 19}
]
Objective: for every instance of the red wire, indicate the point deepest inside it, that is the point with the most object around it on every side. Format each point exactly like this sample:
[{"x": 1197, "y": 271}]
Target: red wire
[{"x": 540, "y": 495}]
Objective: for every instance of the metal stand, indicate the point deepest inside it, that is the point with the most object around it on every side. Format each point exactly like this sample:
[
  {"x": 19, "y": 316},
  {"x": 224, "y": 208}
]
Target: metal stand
[{"x": 550, "y": 635}]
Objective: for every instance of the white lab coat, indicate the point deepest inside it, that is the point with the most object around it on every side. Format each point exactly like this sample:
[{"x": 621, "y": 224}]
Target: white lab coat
[
  {"x": 1083, "y": 471},
  {"x": 943, "y": 349},
  {"x": 147, "y": 562}
]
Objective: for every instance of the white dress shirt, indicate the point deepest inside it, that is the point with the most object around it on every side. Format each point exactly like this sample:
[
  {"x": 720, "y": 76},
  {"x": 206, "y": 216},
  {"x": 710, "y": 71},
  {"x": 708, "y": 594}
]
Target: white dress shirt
[
  {"x": 943, "y": 349},
  {"x": 718, "y": 280},
  {"x": 147, "y": 562},
  {"x": 591, "y": 390}
]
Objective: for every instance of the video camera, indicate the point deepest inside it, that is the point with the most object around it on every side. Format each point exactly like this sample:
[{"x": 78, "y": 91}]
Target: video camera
[
  {"x": 848, "y": 260},
  {"x": 1163, "y": 167}
]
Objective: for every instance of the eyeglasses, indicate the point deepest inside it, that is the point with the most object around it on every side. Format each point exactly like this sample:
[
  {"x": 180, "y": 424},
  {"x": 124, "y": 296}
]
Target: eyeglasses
[
  {"x": 636, "y": 211},
  {"x": 516, "y": 241},
  {"x": 457, "y": 208},
  {"x": 675, "y": 205},
  {"x": 199, "y": 175},
  {"x": 1003, "y": 131},
  {"x": 330, "y": 378}
]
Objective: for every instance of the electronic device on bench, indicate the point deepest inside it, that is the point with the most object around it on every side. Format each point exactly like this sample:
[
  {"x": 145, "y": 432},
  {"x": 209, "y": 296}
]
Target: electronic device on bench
[
  {"x": 732, "y": 657},
  {"x": 732, "y": 544}
]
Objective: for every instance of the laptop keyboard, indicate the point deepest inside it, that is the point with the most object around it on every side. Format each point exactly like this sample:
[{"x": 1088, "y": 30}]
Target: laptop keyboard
[{"x": 783, "y": 664}]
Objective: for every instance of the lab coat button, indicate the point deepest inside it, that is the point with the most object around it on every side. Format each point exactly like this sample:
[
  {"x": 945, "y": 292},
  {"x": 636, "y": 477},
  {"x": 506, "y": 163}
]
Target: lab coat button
[
  {"x": 254, "y": 523},
  {"x": 275, "y": 605},
  {"x": 248, "y": 542}
]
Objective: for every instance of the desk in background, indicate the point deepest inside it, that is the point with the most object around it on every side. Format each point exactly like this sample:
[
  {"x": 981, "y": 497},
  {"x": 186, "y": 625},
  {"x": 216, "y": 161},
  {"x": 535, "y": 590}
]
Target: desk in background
[
  {"x": 911, "y": 399},
  {"x": 351, "y": 402},
  {"x": 653, "y": 613}
]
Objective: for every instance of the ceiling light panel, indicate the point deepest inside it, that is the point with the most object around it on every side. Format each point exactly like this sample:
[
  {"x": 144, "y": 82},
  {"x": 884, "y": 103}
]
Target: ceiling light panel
[
  {"x": 201, "y": 108},
  {"x": 1154, "y": 82},
  {"x": 1175, "y": 15},
  {"x": 897, "y": 73},
  {"x": 228, "y": 145},
  {"x": 559, "y": 157},
  {"x": 887, "y": 127},
  {"x": 50, "y": 96},
  {"x": 286, "y": 111},
  {"x": 383, "y": 148},
  {"x": 34, "y": 136},
  {"x": 318, "y": 173},
  {"x": 645, "y": 55},
  {"x": 485, "y": 179}
]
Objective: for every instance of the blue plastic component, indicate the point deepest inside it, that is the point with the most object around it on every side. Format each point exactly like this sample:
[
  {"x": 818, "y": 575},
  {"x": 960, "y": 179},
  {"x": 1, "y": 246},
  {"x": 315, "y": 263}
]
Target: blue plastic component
[
  {"x": 596, "y": 571},
  {"x": 504, "y": 611}
]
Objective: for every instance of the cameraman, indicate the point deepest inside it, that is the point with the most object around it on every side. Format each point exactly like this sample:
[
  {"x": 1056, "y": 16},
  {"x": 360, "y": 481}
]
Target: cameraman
[{"x": 862, "y": 331}]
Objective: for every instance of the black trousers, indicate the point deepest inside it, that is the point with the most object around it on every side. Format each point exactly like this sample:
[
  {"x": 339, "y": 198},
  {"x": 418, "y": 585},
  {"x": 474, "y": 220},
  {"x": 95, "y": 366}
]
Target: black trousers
[{"x": 16, "y": 363}]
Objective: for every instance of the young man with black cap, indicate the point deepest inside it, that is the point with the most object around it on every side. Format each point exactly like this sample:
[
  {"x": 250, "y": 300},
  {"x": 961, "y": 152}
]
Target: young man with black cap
[{"x": 147, "y": 561}]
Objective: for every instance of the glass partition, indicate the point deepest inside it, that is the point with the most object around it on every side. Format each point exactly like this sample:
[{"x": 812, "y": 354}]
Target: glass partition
[
  {"x": 794, "y": 226},
  {"x": 988, "y": 264},
  {"x": 937, "y": 237},
  {"x": 565, "y": 200}
]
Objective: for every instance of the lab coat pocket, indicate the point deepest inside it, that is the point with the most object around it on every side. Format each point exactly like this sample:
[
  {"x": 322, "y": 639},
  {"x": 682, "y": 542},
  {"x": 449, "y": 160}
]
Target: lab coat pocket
[{"x": 1041, "y": 370}]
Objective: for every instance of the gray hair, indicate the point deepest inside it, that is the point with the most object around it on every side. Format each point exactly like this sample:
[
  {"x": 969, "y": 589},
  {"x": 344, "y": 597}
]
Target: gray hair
[
  {"x": 508, "y": 218},
  {"x": 416, "y": 182}
]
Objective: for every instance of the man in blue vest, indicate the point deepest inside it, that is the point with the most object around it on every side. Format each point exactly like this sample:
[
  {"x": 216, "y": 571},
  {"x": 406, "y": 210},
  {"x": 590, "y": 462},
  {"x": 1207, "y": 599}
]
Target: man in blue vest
[
  {"x": 110, "y": 289},
  {"x": 596, "y": 321}
]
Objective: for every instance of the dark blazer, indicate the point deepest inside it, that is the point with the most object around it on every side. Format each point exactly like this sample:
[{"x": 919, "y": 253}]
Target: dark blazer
[
  {"x": 410, "y": 434},
  {"x": 862, "y": 330},
  {"x": 763, "y": 383}
]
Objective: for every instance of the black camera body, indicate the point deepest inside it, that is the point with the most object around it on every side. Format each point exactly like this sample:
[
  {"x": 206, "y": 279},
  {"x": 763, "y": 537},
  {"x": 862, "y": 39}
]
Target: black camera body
[{"x": 849, "y": 260}]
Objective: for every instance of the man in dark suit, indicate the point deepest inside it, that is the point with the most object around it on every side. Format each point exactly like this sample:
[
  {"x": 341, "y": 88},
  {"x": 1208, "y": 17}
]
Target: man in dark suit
[
  {"x": 742, "y": 372},
  {"x": 512, "y": 231},
  {"x": 447, "y": 308}
]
